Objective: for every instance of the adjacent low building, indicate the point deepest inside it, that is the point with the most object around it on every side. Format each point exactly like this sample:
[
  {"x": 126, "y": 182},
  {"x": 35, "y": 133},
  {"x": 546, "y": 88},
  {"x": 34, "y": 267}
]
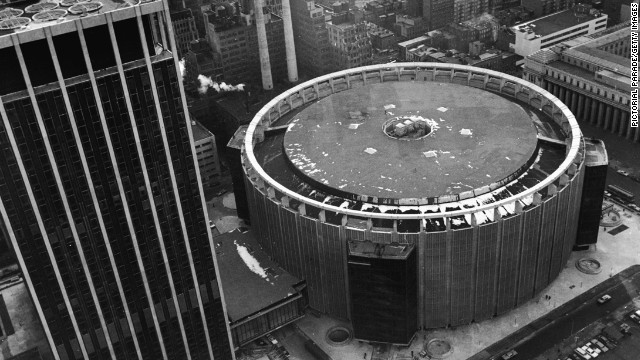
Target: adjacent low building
[
  {"x": 592, "y": 76},
  {"x": 261, "y": 296},
  {"x": 311, "y": 38},
  {"x": 381, "y": 38},
  {"x": 207, "y": 153},
  {"x": 553, "y": 29},
  {"x": 349, "y": 42},
  {"x": 184, "y": 27},
  {"x": 232, "y": 34}
]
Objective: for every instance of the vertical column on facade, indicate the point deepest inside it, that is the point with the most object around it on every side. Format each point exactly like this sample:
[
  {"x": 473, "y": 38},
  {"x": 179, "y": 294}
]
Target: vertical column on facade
[
  {"x": 593, "y": 111},
  {"x": 624, "y": 123},
  {"x": 344, "y": 247},
  {"x": 601, "y": 107},
  {"x": 580, "y": 109},
  {"x": 422, "y": 238},
  {"x": 449, "y": 237},
  {"x": 607, "y": 117},
  {"x": 34, "y": 205},
  {"x": 112, "y": 157},
  {"x": 14, "y": 241},
  {"x": 163, "y": 250},
  {"x": 636, "y": 137},
  {"x": 127, "y": 98},
  {"x": 497, "y": 217},
  {"x": 561, "y": 93},
  {"x": 198, "y": 177},
  {"x": 83, "y": 160},
  {"x": 574, "y": 102},
  {"x": 616, "y": 119}
]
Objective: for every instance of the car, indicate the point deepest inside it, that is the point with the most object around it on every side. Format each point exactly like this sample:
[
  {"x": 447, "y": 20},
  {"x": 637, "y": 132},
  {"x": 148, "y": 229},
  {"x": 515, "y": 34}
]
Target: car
[
  {"x": 623, "y": 173},
  {"x": 638, "y": 312},
  {"x": 604, "y": 298},
  {"x": 212, "y": 224},
  {"x": 635, "y": 318},
  {"x": 574, "y": 357},
  {"x": 600, "y": 345},
  {"x": 610, "y": 343},
  {"x": 271, "y": 339},
  {"x": 423, "y": 353},
  {"x": 606, "y": 193},
  {"x": 509, "y": 354},
  {"x": 590, "y": 351},
  {"x": 582, "y": 353}
]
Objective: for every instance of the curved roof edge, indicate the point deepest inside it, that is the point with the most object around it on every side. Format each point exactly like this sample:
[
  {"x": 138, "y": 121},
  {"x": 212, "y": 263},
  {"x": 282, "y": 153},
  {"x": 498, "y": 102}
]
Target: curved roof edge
[{"x": 261, "y": 116}]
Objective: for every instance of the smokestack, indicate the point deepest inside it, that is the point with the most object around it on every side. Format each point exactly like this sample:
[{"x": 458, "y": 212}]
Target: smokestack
[
  {"x": 292, "y": 66},
  {"x": 265, "y": 64}
]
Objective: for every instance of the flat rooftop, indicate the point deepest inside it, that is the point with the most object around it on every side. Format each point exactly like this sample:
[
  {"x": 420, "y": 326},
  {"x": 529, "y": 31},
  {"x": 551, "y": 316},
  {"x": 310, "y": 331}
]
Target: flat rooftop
[
  {"x": 592, "y": 51},
  {"x": 386, "y": 251},
  {"x": 596, "y": 152},
  {"x": 237, "y": 139},
  {"x": 477, "y": 138},
  {"x": 22, "y": 19},
  {"x": 556, "y": 22},
  {"x": 199, "y": 131},
  {"x": 250, "y": 280}
]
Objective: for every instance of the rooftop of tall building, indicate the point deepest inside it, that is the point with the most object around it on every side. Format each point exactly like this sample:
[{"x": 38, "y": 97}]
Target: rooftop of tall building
[
  {"x": 181, "y": 14},
  {"x": 199, "y": 131},
  {"x": 556, "y": 22},
  {"x": 23, "y": 15},
  {"x": 596, "y": 153}
]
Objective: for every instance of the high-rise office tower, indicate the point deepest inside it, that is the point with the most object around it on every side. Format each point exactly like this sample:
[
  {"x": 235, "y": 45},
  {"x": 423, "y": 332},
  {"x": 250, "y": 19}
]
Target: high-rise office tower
[{"x": 100, "y": 191}]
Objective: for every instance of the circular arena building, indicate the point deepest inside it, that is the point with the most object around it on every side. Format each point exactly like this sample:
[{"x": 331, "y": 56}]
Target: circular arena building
[{"x": 415, "y": 195}]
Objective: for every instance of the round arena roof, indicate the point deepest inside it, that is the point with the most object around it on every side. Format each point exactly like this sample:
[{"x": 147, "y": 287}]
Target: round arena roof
[
  {"x": 476, "y": 137},
  {"x": 466, "y": 136}
]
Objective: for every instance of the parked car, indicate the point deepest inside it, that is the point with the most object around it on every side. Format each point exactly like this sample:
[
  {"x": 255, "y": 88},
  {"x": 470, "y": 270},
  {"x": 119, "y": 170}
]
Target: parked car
[
  {"x": 610, "y": 343},
  {"x": 604, "y": 298},
  {"x": 623, "y": 173},
  {"x": 602, "y": 346},
  {"x": 212, "y": 224},
  {"x": 509, "y": 354},
  {"x": 582, "y": 353}
]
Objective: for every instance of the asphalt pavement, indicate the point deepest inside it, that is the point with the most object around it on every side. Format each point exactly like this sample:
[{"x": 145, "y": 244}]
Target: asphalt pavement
[
  {"x": 580, "y": 317},
  {"x": 569, "y": 319}
]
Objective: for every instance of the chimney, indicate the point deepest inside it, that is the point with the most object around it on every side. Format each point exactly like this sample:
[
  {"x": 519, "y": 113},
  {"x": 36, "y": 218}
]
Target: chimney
[
  {"x": 290, "y": 48},
  {"x": 263, "y": 48}
]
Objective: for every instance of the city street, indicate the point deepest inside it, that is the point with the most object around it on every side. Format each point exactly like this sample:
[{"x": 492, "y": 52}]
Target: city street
[{"x": 582, "y": 316}]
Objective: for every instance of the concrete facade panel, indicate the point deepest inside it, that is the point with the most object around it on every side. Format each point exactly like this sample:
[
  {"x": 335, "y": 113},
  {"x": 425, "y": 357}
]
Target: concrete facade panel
[
  {"x": 462, "y": 276},
  {"x": 528, "y": 254},
  {"x": 436, "y": 312},
  {"x": 509, "y": 259},
  {"x": 558, "y": 237},
  {"x": 487, "y": 255},
  {"x": 547, "y": 228}
]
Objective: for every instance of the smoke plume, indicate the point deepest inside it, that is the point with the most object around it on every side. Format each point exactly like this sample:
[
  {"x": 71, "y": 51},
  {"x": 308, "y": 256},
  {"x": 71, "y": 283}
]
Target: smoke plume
[{"x": 206, "y": 83}]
